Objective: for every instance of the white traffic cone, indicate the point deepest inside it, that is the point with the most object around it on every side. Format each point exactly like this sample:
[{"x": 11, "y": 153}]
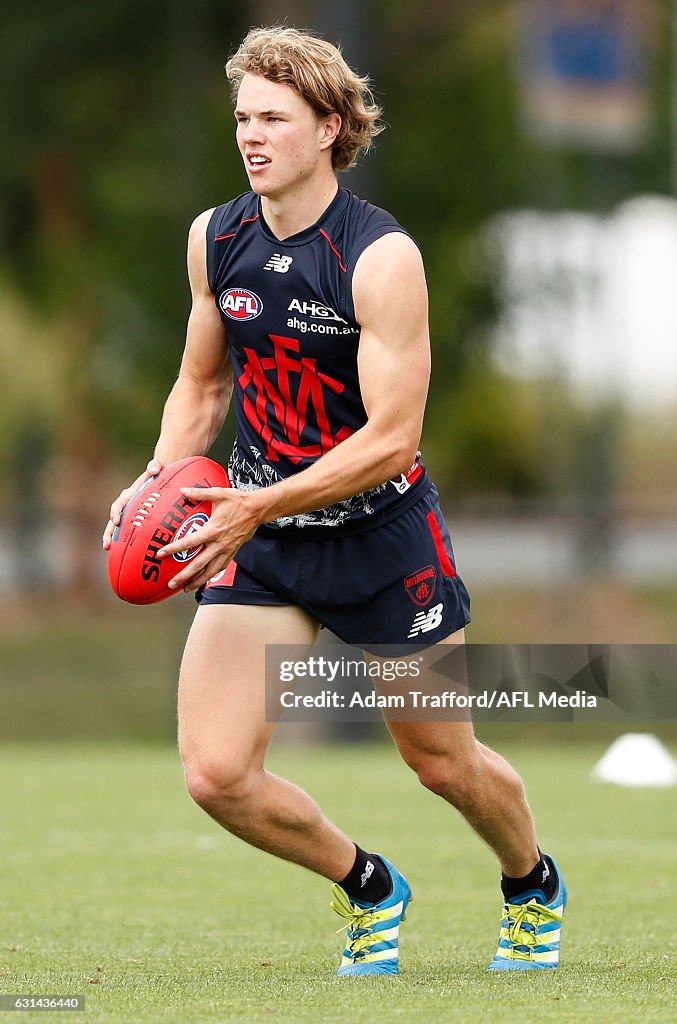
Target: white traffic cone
[{"x": 637, "y": 759}]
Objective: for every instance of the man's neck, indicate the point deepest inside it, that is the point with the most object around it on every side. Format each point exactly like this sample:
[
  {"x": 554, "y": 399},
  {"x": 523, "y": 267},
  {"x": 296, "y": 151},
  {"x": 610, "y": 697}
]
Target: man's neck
[{"x": 295, "y": 211}]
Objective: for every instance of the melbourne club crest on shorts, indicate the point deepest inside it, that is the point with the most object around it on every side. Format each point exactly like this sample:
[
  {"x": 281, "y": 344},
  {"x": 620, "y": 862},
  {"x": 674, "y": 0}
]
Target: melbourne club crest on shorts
[{"x": 421, "y": 585}]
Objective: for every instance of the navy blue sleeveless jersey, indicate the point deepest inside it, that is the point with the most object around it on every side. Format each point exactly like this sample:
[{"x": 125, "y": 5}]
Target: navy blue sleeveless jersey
[{"x": 288, "y": 311}]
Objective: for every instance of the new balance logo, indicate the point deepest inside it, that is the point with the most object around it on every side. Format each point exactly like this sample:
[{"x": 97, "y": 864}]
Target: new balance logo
[
  {"x": 366, "y": 874},
  {"x": 425, "y": 621},
  {"x": 280, "y": 264}
]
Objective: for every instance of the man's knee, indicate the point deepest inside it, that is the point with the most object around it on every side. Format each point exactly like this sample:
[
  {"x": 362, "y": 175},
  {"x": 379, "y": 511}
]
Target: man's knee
[
  {"x": 222, "y": 783},
  {"x": 456, "y": 779}
]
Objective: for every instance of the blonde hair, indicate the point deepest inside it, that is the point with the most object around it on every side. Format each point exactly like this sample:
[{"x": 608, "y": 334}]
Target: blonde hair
[{"x": 317, "y": 71}]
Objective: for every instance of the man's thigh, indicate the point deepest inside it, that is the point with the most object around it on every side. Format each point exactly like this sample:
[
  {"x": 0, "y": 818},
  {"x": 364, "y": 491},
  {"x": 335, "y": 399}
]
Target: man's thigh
[
  {"x": 221, "y": 701},
  {"x": 418, "y": 741}
]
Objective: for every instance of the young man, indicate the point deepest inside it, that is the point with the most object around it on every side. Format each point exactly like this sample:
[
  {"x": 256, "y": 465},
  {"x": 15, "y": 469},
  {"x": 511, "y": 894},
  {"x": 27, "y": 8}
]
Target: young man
[{"x": 310, "y": 308}]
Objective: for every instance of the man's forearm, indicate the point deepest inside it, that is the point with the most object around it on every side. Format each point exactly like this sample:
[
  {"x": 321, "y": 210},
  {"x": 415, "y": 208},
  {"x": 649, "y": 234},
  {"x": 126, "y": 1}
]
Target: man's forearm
[
  {"x": 192, "y": 418},
  {"x": 361, "y": 461}
]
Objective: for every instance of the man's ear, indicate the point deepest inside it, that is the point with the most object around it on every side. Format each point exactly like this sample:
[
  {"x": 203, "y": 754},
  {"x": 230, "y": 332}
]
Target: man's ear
[{"x": 331, "y": 126}]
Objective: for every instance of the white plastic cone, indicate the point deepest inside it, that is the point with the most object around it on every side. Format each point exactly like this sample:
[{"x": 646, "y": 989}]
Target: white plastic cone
[{"x": 637, "y": 759}]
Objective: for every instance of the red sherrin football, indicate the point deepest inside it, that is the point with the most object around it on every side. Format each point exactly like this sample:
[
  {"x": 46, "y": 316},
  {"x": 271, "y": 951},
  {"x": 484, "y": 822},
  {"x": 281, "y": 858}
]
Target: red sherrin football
[{"x": 155, "y": 516}]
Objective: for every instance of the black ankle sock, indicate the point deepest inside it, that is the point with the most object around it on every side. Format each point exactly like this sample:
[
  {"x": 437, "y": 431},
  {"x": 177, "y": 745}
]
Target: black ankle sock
[
  {"x": 368, "y": 879},
  {"x": 543, "y": 877}
]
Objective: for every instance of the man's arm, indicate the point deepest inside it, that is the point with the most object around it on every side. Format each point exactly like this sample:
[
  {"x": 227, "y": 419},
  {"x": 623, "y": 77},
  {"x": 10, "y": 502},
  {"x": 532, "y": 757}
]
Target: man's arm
[
  {"x": 391, "y": 306},
  {"x": 198, "y": 402}
]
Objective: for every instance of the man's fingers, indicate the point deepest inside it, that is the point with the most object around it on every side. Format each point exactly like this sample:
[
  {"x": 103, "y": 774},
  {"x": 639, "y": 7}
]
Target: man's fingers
[
  {"x": 195, "y": 576},
  {"x": 117, "y": 508},
  {"x": 114, "y": 520},
  {"x": 116, "y": 511},
  {"x": 205, "y": 493},
  {"x": 152, "y": 469},
  {"x": 210, "y": 570},
  {"x": 191, "y": 540}
]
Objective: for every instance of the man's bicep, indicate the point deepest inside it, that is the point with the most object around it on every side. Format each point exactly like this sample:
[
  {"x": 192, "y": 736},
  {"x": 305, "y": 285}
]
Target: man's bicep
[
  {"x": 206, "y": 353},
  {"x": 391, "y": 304},
  {"x": 393, "y": 381}
]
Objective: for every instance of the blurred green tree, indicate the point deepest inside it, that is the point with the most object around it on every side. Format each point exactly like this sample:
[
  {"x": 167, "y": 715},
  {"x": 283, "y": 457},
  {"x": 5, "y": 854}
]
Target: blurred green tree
[{"x": 111, "y": 144}]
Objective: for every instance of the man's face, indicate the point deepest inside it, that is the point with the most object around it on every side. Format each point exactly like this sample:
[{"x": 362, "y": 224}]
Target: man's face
[{"x": 281, "y": 139}]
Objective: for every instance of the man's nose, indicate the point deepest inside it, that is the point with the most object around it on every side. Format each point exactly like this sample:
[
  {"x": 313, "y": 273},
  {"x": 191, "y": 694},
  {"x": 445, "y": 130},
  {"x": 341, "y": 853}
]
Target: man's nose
[{"x": 252, "y": 131}]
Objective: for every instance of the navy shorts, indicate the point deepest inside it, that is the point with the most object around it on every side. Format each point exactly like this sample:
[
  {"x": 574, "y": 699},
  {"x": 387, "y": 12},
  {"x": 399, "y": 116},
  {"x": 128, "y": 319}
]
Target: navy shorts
[{"x": 393, "y": 584}]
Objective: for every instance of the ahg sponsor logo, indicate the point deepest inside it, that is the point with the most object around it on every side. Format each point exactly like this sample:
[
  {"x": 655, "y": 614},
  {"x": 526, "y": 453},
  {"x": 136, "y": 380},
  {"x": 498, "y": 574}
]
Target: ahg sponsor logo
[{"x": 313, "y": 309}]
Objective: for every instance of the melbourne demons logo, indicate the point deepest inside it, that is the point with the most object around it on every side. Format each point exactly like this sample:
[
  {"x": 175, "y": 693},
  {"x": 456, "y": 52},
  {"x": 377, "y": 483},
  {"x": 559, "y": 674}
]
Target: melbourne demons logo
[
  {"x": 240, "y": 304},
  {"x": 284, "y": 401},
  {"x": 421, "y": 584}
]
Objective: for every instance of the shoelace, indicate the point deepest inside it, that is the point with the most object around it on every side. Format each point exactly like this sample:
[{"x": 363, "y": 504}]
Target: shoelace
[
  {"x": 360, "y": 924},
  {"x": 523, "y": 921}
]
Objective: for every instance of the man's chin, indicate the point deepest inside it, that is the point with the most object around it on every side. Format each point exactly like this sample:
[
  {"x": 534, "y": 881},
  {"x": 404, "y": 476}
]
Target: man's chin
[
  {"x": 258, "y": 189},
  {"x": 263, "y": 190}
]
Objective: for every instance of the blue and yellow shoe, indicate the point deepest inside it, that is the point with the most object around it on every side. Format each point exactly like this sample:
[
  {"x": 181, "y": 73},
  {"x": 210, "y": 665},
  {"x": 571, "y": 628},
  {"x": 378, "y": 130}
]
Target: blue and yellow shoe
[
  {"x": 372, "y": 928},
  {"x": 530, "y": 930}
]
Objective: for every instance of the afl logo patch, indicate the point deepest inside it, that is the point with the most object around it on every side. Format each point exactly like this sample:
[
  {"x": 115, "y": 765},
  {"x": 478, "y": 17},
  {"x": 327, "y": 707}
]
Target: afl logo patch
[
  {"x": 191, "y": 525},
  {"x": 240, "y": 304}
]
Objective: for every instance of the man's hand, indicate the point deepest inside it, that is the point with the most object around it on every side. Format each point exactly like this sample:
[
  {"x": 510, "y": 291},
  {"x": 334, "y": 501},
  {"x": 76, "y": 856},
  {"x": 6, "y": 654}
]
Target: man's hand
[
  {"x": 152, "y": 469},
  {"x": 233, "y": 521}
]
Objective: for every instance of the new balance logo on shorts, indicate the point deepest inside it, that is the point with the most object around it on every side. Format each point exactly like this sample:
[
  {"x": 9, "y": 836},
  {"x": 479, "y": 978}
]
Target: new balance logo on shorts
[
  {"x": 280, "y": 264},
  {"x": 425, "y": 621}
]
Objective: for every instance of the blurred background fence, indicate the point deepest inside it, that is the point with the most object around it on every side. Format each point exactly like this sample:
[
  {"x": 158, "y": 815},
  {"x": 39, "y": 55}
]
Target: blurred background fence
[{"x": 532, "y": 153}]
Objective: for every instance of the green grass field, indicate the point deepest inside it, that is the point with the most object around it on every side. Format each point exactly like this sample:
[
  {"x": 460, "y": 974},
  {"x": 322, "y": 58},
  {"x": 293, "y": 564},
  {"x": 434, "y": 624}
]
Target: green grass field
[{"x": 116, "y": 887}]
